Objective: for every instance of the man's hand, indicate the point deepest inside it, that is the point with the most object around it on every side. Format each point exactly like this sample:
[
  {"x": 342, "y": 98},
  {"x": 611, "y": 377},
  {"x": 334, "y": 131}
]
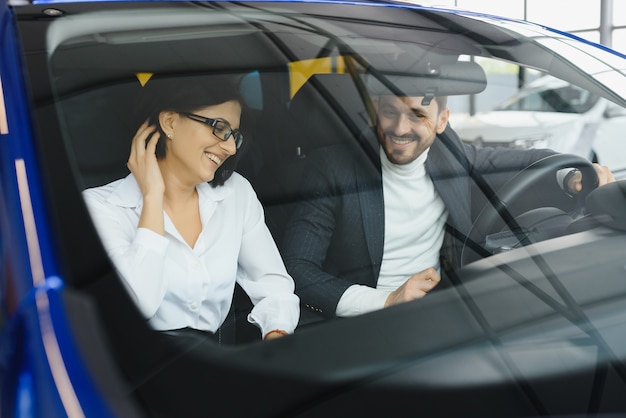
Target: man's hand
[
  {"x": 575, "y": 184},
  {"x": 415, "y": 287}
]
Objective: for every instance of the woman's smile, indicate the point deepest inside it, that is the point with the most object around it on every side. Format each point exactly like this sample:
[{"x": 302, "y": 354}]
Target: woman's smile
[{"x": 214, "y": 158}]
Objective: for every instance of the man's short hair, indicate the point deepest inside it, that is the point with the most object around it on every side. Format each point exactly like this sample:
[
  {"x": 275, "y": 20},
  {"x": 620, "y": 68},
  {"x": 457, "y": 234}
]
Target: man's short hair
[{"x": 442, "y": 102}]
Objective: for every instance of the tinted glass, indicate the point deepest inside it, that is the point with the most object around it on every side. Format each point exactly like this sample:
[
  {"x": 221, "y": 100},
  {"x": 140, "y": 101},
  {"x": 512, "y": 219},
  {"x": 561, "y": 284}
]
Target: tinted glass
[{"x": 535, "y": 291}]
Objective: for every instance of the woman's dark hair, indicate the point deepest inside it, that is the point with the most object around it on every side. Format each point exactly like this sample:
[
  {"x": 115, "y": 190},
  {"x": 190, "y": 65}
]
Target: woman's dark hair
[{"x": 188, "y": 94}]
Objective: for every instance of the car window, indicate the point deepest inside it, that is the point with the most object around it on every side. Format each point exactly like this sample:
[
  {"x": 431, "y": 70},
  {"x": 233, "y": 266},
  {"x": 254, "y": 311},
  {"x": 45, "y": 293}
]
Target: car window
[
  {"x": 369, "y": 138},
  {"x": 314, "y": 86}
]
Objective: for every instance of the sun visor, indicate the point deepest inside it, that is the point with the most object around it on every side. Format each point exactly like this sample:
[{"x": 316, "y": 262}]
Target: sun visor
[{"x": 458, "y": 78}]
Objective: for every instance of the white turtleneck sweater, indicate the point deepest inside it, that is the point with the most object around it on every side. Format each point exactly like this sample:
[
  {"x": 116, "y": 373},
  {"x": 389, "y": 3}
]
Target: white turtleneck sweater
[{"x": 414, "y": 229}]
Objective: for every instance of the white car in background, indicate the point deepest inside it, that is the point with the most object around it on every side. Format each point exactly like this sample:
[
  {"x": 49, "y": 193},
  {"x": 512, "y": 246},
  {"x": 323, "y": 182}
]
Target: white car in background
[{"x": 551, "y": 113}]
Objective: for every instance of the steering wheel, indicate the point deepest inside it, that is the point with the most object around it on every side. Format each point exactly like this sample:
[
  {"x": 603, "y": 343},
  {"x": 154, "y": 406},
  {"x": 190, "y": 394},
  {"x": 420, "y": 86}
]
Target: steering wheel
[{"x": 500, "y": 210}]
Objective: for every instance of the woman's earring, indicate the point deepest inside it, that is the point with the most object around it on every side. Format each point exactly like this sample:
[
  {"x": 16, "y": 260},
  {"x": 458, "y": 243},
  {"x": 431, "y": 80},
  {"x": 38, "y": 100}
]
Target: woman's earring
[{"x": 169, "y": 135}]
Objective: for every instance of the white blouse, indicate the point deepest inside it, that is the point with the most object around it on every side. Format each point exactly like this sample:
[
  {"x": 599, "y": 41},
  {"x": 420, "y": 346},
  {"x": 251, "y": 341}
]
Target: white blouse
[{"x": 176, "y": 286}]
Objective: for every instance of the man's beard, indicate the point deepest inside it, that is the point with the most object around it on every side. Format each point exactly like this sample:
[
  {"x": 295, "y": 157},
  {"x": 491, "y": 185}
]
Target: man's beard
[{"x": 396, "y": 156}]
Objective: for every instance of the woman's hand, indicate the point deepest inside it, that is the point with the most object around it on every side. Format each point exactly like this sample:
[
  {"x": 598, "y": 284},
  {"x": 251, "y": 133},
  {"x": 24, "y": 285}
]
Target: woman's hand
[
  {"x": 143, "y": 163},
  {"x": 276, "y": 333}
]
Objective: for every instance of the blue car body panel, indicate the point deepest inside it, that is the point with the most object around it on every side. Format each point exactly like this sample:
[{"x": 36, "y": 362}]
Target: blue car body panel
[{"x": 42, "y": 371}]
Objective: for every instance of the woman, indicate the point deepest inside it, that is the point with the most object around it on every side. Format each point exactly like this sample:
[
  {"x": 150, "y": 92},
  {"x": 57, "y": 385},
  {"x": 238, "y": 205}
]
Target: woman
[{"x": 183, "y": 227}]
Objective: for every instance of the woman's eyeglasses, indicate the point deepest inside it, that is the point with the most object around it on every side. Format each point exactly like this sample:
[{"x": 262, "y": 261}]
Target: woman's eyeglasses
[{"x": 221, "y": 129}]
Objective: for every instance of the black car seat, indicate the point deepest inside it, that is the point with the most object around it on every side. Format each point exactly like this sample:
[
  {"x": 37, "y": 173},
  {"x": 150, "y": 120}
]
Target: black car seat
[{"x": 326, "y": 110}]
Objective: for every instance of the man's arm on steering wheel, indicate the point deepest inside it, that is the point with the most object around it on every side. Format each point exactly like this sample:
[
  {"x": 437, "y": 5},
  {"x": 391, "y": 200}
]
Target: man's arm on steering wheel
[{"x": 605, "y": 176}]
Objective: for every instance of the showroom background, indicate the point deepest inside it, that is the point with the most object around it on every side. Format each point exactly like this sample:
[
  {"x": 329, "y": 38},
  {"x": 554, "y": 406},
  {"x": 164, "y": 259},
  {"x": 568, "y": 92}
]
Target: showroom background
[{"x": 600, "y": 21}]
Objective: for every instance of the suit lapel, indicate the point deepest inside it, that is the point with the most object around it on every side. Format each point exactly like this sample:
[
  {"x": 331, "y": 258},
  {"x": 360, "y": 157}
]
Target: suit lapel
[
  {"x": 369, "y": 187},
  {"x": 450, "y": 179},
  {"x": 370, "y": 194}
]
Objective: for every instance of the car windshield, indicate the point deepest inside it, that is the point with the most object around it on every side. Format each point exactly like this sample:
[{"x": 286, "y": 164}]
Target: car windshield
[{"x": 345, "y": 177}]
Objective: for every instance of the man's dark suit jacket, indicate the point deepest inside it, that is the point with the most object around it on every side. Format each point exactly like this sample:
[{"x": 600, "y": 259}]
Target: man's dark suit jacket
[{"x": 335, "y": 237}]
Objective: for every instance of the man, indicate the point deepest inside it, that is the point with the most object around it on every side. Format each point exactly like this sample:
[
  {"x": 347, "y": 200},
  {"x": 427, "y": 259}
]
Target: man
[{"x": 378, "y": 230}]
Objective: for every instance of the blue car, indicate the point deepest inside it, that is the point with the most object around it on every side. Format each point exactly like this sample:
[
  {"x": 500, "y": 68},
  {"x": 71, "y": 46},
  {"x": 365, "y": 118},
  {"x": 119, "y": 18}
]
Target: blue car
[{"x": 530, "y": 321}]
